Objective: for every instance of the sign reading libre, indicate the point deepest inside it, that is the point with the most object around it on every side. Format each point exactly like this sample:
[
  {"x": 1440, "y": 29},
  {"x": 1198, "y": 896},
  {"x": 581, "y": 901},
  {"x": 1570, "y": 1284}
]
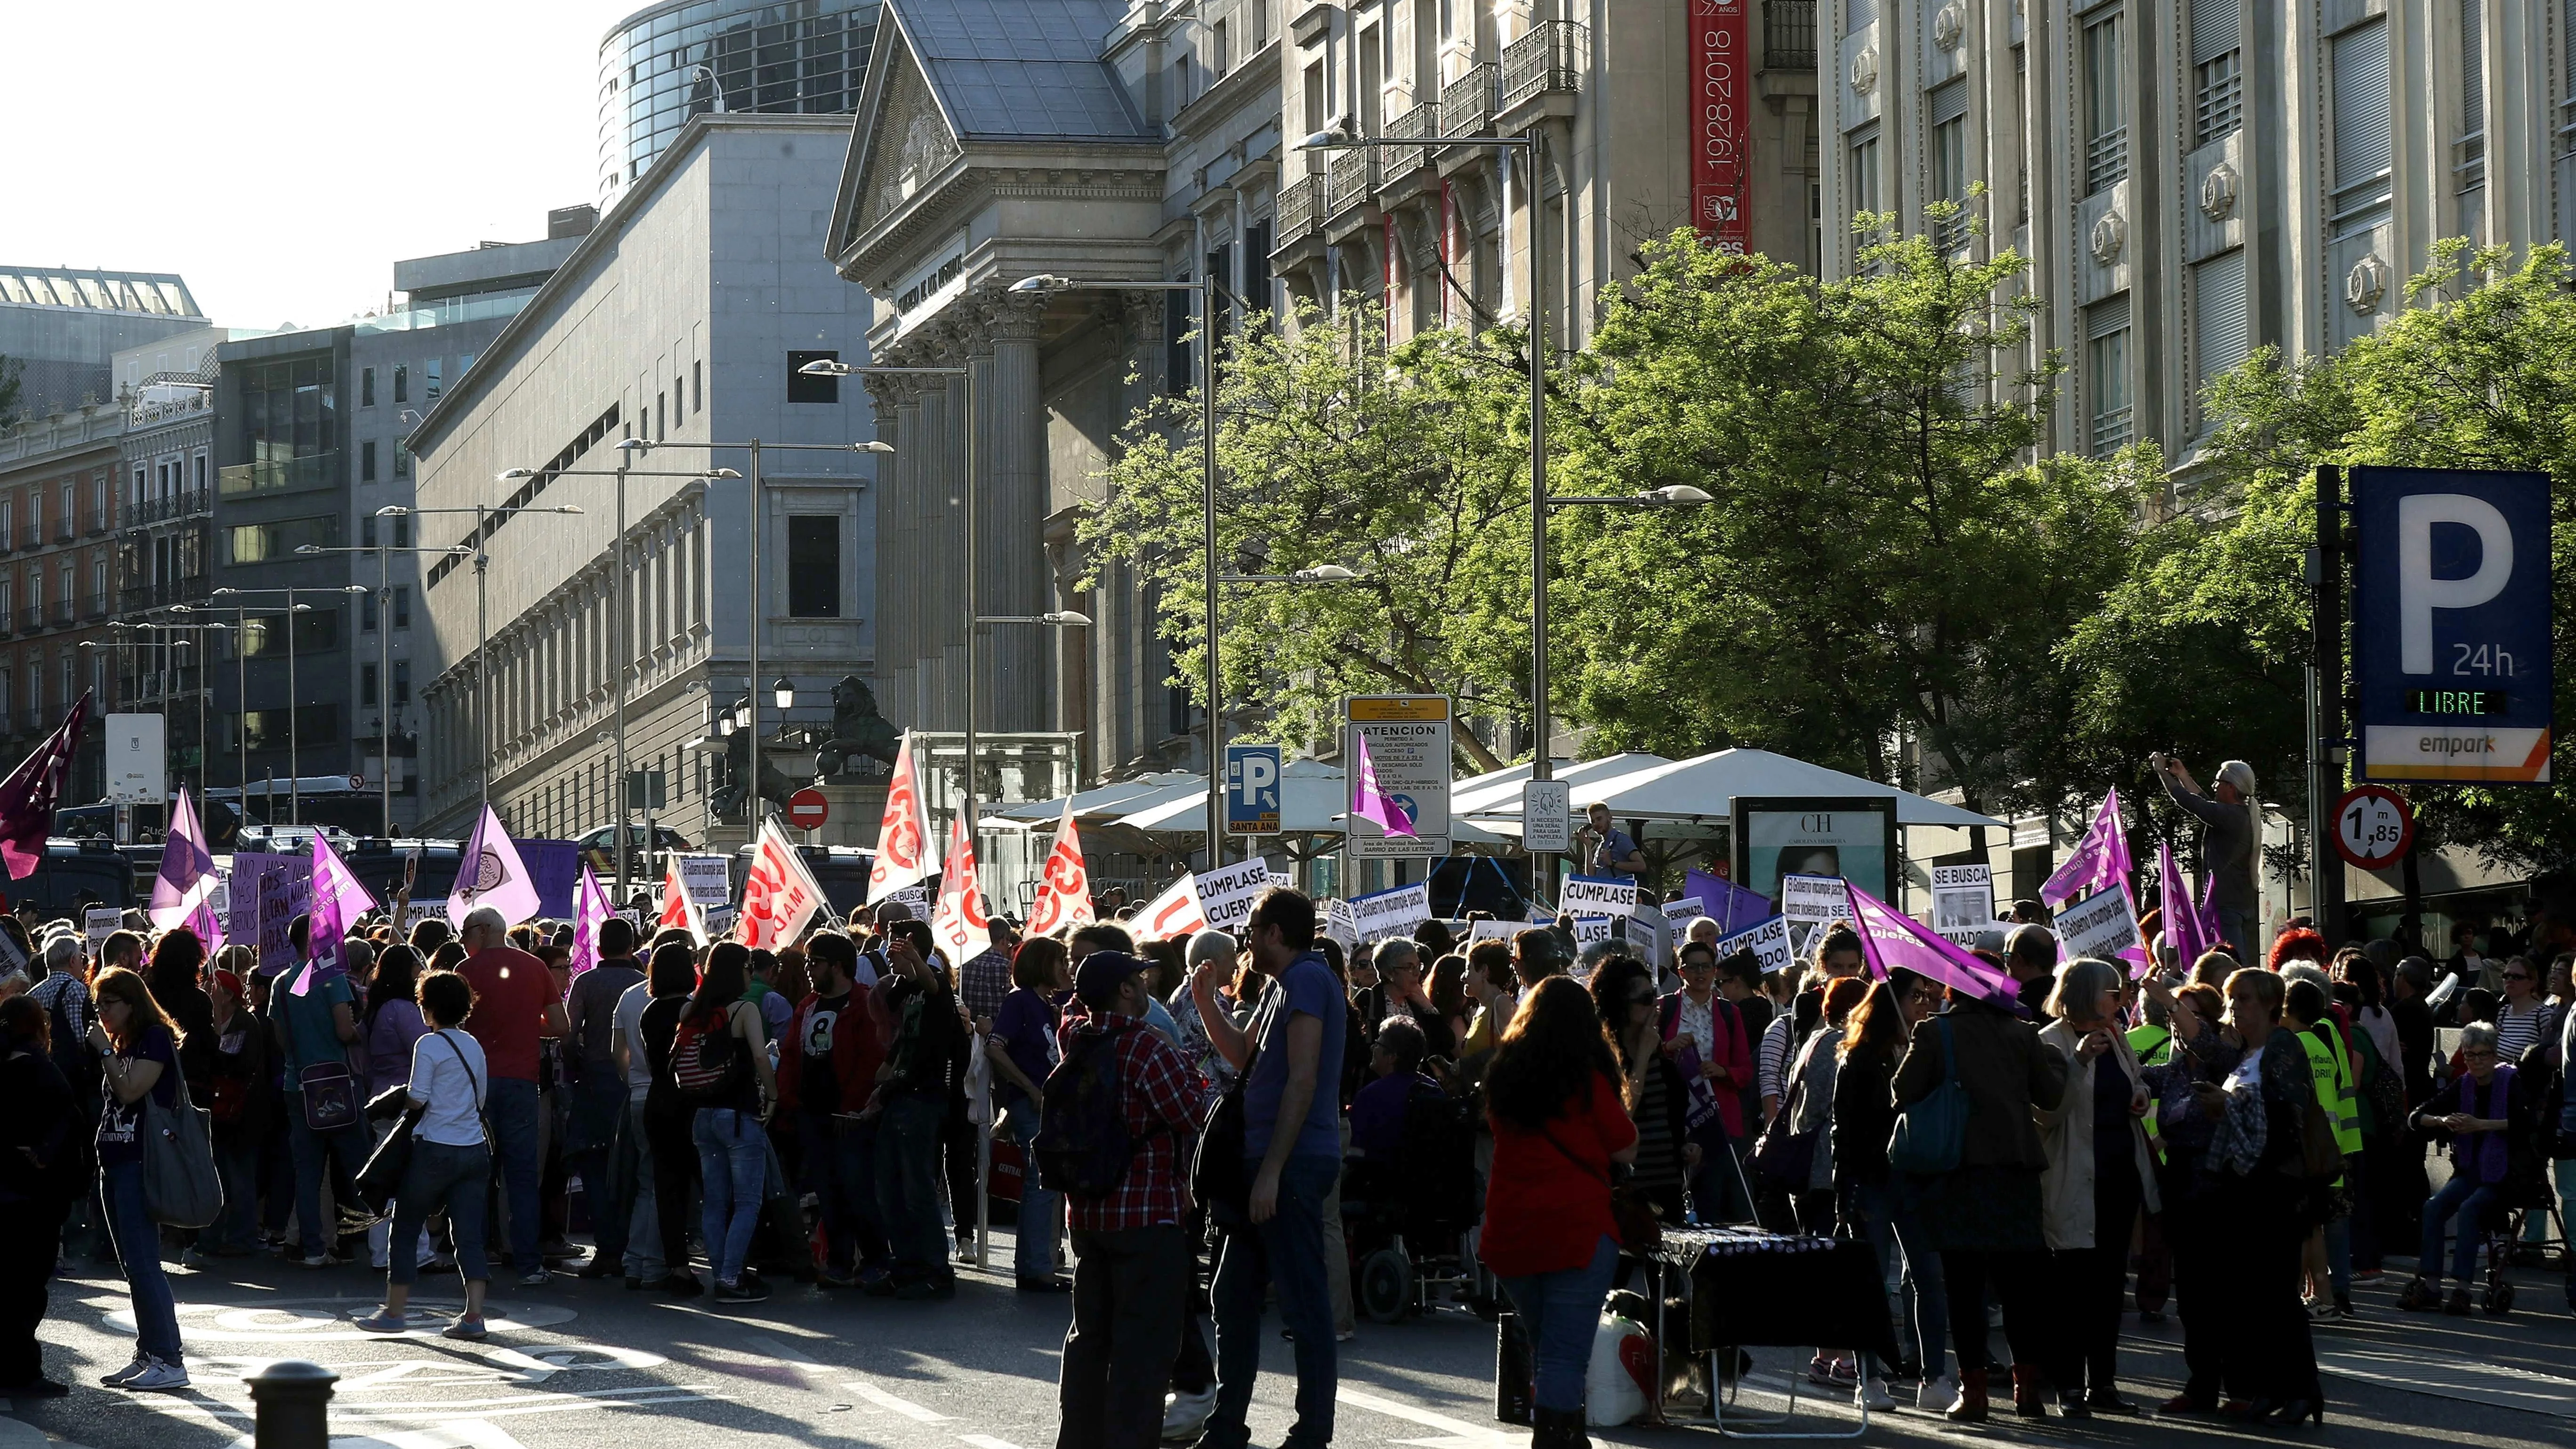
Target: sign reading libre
[{"x": 2451, "y": 645}]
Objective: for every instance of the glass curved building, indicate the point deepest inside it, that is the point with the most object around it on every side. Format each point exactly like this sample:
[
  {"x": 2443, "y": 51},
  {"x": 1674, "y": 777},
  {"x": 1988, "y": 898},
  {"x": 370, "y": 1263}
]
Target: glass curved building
[{"x": 662, "y": 65}]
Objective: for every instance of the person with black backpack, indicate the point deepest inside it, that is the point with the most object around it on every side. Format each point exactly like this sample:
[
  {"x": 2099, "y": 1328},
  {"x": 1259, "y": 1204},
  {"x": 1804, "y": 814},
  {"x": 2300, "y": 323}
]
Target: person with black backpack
[
  {"x": 1120, "y": 1110},
  {"x": 720, "y": 1063}
]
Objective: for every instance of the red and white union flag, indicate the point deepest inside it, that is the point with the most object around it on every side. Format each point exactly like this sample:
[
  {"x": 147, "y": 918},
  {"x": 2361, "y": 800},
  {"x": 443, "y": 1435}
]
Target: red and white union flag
[
  {"x": 1176, "y": 912},
  {"x": 905, "y": 854},
  {"x": 959, "y": 925},
  {"x": 780, "y": 895},
  {"x": 1064, "y": 896}
]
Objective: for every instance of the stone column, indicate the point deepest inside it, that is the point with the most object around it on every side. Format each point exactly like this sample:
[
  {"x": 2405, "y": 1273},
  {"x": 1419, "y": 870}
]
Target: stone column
[
  {"x": 898, "y": 555},
  {"x": 935, "y": 543},
  {"x": 1017, "y": 576}
]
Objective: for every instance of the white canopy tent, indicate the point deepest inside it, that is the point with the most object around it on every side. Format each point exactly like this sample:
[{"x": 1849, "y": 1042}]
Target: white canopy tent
[
  {"x": 1702, "y": 791},
  {"x": 1104, "y": 803},
  {"x": 1312, "y": 801},
  {"x": 1481, "y": 793}
]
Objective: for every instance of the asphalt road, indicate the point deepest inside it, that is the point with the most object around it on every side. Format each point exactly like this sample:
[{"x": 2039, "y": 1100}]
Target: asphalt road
[{"x": 583, "y": 1364}]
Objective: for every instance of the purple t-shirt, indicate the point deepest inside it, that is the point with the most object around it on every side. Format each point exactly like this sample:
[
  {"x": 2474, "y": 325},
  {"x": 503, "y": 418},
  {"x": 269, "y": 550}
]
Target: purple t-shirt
[
  {"x": 1026, "y": 1023},
  {"x": 1307, "y": 988}
]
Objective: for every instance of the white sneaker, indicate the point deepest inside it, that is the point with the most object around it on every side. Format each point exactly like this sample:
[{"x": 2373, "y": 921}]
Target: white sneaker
[
  {"x": 1872, "y": 1395},
  {"x": 158, "y": 1376},
  {"x": 1938, "y": 1394},
  {"x": 1186, "y": 1414},
  {"x": 135, "y": 1369}
]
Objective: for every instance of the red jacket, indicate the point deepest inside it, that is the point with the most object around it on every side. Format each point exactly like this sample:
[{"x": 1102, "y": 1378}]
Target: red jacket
[
  {"x": 1730, "y": 1051},
  {"x": 857, "y": 1052}
]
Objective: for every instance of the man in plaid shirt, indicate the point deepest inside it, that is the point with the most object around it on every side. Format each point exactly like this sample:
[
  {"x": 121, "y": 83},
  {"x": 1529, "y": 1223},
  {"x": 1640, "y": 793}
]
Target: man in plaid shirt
[{"x": 1131, "y": 1247}]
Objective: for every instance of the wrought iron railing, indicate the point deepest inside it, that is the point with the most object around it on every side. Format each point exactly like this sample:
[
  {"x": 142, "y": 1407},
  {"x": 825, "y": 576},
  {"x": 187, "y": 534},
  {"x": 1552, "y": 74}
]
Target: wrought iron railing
[
  {"x": 1423, "y": 120},
  {"x": 1349, "y": 179},
  {"x": 1300, "y": 209},
  {"x": 1788, "y": 34},
  {"x": 1548, "y": 59},
  {"x": 1467, "y": 103}
]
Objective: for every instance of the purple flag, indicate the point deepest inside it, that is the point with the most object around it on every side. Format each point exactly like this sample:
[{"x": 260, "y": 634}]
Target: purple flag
[
  {"x": 29, "y": 795},
  {"x": 2211, "y": 933},
  {"x": 1373, "y": 804},
  {"x": 1730, "y": 905},
  {"x": 187, "y": 879},
  {"x": 589, "y": 912},
  {"x": 209, "y": 928},
  {"x": 2181, "y": 917},
  {"x": 491, "y": 874},
  {"x": 326, "y": 927},
  {"x": 330, "y": 876},
  {"x": 1892, "y": 939},
  {"x": 2101, "y": 858}
]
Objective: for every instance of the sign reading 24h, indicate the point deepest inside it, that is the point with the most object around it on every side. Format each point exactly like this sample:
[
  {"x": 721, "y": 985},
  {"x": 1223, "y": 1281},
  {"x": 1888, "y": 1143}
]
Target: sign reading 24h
[
  {"x": 1252, "y": 789},
  {"x": 2451, "y": 625}
]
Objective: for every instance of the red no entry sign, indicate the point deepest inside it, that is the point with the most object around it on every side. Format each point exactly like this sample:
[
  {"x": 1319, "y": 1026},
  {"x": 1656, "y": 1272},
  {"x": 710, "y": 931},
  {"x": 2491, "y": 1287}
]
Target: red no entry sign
[{"x": 807, "y": 809}]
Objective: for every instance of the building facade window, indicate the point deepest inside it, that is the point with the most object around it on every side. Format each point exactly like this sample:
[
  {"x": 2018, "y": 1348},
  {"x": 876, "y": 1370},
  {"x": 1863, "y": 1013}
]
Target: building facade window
[
  {"x": 2106, "y": 105},
  {"x": 697, "y": 387},
  {"x": 2217, "y": 69},
  {"x": 402, "y": 681},
  {"x": 366, "y": 387},
  {"x": 2360, "y": 140},
  {"x": 429, "y": 380},
  {"x": 267, "y": 542},
  {"x": 2469, "y": 152},
  {"x": 367, "y": 686},
  {"x": 2106, "y": 374},
  {"x": 367, "y": 461},
  {"x": 1949, "y": 113},
  {"x": 402, "y": 383},
  {"x": 1864, "y": 169},
  {"x": 814, "y": 565}
]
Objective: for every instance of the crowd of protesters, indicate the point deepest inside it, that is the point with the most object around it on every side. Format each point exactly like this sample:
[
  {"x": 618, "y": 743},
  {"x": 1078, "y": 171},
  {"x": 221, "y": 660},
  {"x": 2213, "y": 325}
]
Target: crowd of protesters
[{"x": 2241, "y": 1136}]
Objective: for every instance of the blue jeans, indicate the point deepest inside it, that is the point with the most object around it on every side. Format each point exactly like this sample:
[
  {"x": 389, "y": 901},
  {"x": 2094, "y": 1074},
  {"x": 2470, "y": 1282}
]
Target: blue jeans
[
  {"x": 2470, "y": 1200},
  {"x": 599, "y": 1151},
  {"x": 733, "y": 1167},
  {"x": 1559, "y": 1313},
  {"x": 138, "y": 1245},
  {"x": 456, "y": 1179},
  {"x": 236, "y": 1228},
  {"x": 1887, "y": 1216},
  {"x": 512, "y": 1105},
  {"x": 907, "y": 1173},
  {"x": 1287, "y": 1251},
  {"x": 643, "y": 1227},
  {"x": 840, "y": 1170},
  {"x": 1034, "y": 1254},
  {"x": 312, "y": 1151}
]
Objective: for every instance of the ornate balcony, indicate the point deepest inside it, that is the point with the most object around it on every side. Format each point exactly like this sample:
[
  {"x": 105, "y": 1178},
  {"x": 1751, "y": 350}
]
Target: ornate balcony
[
  {"x": 1350, "y": 179},
  {"x": 1548, "y": 60},
  {"x": 1300, "y": 210},
  {"x": 1423, "y": 120},
  {"x": 1467, "y": 103},
  {"x": 1788, "y": 34}
]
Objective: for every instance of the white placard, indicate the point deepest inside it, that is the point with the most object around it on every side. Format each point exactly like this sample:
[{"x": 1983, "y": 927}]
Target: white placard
[
  {"x": 1963, "y": 897},
  {"x": 1547, "y": 817},
  {"x": 1226, "y": 894},
  {"x": 1392, "y": 913},
  {"x": 1768, "y": 940},
  {"x": 1493, "y": 930},
  {"x": 1598, "y": 895},
  {"x": 704, "y": 878},
  {"x": 138, "y": 763},
  {"x": 101, "y": 922},
  {"x": 2100, "y": 925},
  {"x": 1342, "y": 923},
  {"x": 1814, "y": 899},
  {"x": 1649, "y": 928}
]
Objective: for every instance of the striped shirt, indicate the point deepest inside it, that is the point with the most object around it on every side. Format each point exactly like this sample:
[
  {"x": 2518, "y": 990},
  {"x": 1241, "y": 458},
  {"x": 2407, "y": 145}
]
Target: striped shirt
[{"x": 2517, "y": 1030}]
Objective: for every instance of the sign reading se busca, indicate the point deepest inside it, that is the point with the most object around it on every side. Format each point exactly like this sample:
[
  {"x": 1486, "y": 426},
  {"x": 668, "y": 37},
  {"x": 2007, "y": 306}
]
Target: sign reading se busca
[{"x": 2451, "y": 638}]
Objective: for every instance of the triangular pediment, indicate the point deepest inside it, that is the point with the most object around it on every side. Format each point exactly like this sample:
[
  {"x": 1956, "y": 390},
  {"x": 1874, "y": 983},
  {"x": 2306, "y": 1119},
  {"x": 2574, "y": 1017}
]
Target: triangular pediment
[{"x": 908, "y": 140}]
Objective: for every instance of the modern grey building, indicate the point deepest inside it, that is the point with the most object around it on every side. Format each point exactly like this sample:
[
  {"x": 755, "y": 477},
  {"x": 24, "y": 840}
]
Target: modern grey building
[
  {"x": 2193, "y": 179},
  {"x": 62, "y": 327},
  {"x": 662, "y": 65},
  {"x": 680, "y": 321}
]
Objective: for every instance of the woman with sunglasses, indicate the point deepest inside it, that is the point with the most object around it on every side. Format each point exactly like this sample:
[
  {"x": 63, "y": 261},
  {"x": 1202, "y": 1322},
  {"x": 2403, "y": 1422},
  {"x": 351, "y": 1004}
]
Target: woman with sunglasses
[
  {"x": 2524, "y": 1016},
  {"x": 1623, "y": 992}
]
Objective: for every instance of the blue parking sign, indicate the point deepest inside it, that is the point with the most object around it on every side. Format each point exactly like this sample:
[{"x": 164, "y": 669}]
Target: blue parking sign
[
  {"x": 1252, "y": 789},
  {"x": 2451, "y": 625}
]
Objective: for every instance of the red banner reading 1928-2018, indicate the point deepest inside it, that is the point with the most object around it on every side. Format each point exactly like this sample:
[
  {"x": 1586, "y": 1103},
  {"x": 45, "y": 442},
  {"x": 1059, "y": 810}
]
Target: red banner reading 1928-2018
[{"x": 1721, "y": 69}]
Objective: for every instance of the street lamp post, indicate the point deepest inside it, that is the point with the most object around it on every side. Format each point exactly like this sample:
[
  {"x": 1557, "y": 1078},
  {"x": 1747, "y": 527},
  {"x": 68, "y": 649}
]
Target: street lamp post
[
  {"x": 167, "y": 644},
  {"x": 294, "y": 755},
  {"x": 483, "y": 514},
  {"x": 625, "y": 616},
  {"x": 384, "y": 553},
  {"x": 1205, "y": 287}
]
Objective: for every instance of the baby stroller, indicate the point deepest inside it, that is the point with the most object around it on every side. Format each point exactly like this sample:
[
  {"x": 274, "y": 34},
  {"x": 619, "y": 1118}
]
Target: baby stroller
[
  {"x": 1407, "y": 1220},
  {"x": 2526, "y": 1196}
]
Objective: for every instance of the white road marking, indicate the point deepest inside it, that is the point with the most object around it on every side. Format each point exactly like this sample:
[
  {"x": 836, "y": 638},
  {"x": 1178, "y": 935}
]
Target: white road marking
[
  {"x": 2454, "y": 1376},
  {"x": 905, "y": 1407},
  {"x": 1456, "y": 1429},
  {"x": 789, "y": 1356},
  {"x": 987, "y": 1441},
  {"x": 516, "y": 1404}
]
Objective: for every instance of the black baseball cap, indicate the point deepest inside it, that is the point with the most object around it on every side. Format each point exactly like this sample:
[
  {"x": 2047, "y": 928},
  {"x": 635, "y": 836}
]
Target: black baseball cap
[{"x": 1097, "y": 980}]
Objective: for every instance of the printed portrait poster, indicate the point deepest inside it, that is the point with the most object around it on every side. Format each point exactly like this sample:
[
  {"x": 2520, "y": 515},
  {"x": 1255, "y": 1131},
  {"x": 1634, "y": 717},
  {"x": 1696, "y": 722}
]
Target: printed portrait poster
[{"x": 1852, "y": 838}]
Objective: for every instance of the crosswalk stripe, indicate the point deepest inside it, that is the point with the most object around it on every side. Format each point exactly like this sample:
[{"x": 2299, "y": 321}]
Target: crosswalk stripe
[{"x": 905, "y": 1407}]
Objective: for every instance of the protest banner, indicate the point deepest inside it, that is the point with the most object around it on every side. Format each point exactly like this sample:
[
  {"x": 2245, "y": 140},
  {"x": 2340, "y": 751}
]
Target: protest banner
[
  {"x": 1226, "y": 894},
  {"x": 1962, "y": 896},
  {"x": 1815, "y": 899},
  {"x": 1587, "y": 930},
  {"x": 1490, "y": 930},
  {"x": 1173, "y": 913},
  {"x": 1598, "y": 895},
  {"x": 706, "y": 880},
  {"x": 101, "y": 922},
  {"x": 1392, "y": 913},
  {"x": 1341, "y": 923},
  {"x": 1651, "y": 931},
  {"x": 2100, "y": 925},
  {"x": 1768, "y": 940}
]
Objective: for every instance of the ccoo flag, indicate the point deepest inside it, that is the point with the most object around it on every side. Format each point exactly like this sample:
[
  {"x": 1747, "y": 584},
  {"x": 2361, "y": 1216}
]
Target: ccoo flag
[
  {"x": 1064, "y": 896},
  {"x": 959, "y": 925},
  {"x": 906, "y": 854},
  {"x": 779, "y": 894},
  {"x": 678, "y": 909},
  {"x": 187, "y": 879},
  {"x": 490, "y": 874}
]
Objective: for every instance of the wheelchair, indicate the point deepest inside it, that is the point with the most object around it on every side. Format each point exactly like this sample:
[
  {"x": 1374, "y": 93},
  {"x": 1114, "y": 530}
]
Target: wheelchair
[
  {"x": 1407, "y": 1220},
  {"x": 2527, "y": 1198}
]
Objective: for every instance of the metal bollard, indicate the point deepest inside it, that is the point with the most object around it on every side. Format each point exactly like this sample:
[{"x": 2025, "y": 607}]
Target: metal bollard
[{"x": 294, "y": 1403}]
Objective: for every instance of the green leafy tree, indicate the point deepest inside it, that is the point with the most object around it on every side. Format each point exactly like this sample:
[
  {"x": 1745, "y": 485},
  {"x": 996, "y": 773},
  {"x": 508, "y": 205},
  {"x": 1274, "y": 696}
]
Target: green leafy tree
[
  {"x": 1881, "y": 564},
  {"x": 1399, "y": 467},
  {"x": 2204, "y": 644}
]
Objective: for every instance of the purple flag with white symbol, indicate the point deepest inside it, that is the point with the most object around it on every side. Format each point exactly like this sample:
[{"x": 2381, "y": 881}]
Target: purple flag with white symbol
[
  {"x": 1892, "y": 939},
  {"x": 332, "y": 877},
  {"x": 2181, "y": 916},
  {"x": 2101, "y": 858},
  {"x": 29, "y": 795},
  {"x": 589, "y": 912},
  {"x": 326, "y": 928},
  {"x": 1372, "y": 804},
  {"x": 187, "y": 879},
  {"x": 490, "y": 873}
]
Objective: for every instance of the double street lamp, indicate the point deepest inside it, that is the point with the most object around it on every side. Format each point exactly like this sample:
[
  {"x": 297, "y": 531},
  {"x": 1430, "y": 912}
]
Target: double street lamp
[
  {"x": 204, "y": 756},
  {"x": 384, "y": 658},
  {"x": 294, "y": 755}
]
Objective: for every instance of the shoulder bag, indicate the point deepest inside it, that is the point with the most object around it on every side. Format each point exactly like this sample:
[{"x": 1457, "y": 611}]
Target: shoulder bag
[
  {"x": 180, "y": 1186},
  {"x": 1218, "y": 1177},
  {"x": 1931, "y": 1134},
  {"x": 1782, "y": 1155}
]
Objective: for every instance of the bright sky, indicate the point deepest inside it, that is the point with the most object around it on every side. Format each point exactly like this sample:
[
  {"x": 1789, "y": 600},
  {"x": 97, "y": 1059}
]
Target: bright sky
[{"x": 280, "y": 155}]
